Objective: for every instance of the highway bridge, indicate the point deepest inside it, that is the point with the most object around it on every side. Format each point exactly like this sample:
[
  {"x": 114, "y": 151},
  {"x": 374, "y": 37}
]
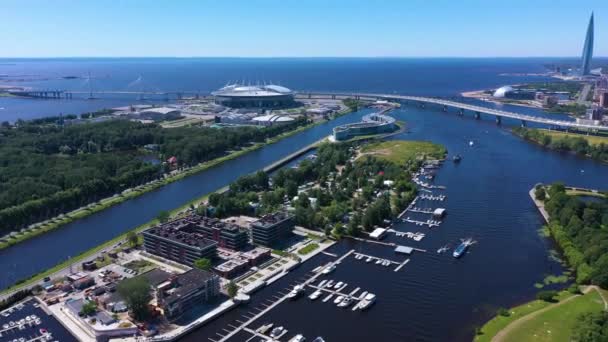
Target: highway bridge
[
  {"x": 420, "y": 100},
  {"x": 445, "y": 104}
]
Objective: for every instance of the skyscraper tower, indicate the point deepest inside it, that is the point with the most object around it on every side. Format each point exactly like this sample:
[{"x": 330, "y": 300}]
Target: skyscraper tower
[{"x": 588, "y": 49}]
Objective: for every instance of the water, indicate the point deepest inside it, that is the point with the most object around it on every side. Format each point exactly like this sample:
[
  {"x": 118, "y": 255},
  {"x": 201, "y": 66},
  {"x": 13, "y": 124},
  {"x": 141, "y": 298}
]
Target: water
[
  {"x": 435, "y": 76},
  {"x": 434, "y": 298}
]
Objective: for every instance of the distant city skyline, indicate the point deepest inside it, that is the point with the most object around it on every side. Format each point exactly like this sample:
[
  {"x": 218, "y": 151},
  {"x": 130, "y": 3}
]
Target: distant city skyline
[{"x": 312, "y": 28}]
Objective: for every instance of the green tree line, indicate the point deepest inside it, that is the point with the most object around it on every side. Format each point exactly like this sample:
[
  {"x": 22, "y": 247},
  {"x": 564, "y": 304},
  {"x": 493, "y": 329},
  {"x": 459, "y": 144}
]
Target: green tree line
[
  {"x": 48, "y": 168},
  {"x": 578, "y": 145}
]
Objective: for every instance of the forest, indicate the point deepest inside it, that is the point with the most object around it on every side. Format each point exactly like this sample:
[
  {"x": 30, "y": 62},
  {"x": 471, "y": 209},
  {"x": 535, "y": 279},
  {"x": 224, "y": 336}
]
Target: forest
[
  {"x": 48, "y": 168},
  {"x": 580, "y": 228}
]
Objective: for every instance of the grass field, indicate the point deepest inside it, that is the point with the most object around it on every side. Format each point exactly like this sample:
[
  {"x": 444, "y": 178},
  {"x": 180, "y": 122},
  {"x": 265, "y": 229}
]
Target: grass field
[
  {"x": 402, "y": 151},
  {"x": 498, "y": 323},
  {"x": 591, "y": 139},
  {"x": 308, "y": 248},
  {"x": 556, "y": 324}
]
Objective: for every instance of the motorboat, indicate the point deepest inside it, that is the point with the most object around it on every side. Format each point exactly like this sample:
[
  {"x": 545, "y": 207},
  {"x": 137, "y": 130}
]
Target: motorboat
[
  {"x": 345, "y": 302},
  {"x": 298, "y": 338},
  {"x": 264, "y": 328},
  {"x": 378, "y": 261},
  {"x": 297, "y": 290},
  {"x": 329, "y": 269},
  {"x": 338, "y": 285},
  {"x": 369, "y": 259},
  {"x": 367, "y": 301},
  {"x": 318, "y": 339},
  {"x": 338, "y": 299},
  {"x": 315, "y": 295},
  {"x": 277, "y": 332},
  {"x": 330, "y": 284},
  {"x": 322, "y": 283}
]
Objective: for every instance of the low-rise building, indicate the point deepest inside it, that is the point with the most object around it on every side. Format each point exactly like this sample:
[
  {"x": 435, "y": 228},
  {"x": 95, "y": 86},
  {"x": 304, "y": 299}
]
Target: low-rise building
[
  {"x": 186, "y": 290},
  {"x": 271, "y": 228}
]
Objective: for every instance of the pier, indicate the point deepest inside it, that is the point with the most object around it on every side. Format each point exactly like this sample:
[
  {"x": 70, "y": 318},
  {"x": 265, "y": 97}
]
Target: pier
[
  {"x": 430, "y": 223},
  {"x": 279, "y": 299}
]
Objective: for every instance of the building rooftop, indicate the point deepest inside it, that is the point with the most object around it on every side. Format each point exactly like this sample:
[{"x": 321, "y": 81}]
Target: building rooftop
[
  {"x": 271, "y": 219},
  {"x": 206, "y": 222},
  {"x": 156, "y": 276},
  {"x": 187, "y": 282},
  {"x": 180, "y": 231}
]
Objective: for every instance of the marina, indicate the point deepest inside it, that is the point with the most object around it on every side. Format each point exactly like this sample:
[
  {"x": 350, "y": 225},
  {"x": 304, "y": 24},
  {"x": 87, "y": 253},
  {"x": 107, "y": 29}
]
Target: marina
[{"x": 474, "y": 211}]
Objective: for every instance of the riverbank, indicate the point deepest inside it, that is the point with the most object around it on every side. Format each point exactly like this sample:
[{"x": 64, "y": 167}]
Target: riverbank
[
  {"x": 542, "y": 320},
  {"x": 116, "y": 242},
  {"x": 592, "y": 147},
  {"x": 63, "y": 219}
]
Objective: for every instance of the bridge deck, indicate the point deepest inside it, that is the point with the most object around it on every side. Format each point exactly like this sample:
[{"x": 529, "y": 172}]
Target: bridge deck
[{"x": 464, "y": 106}]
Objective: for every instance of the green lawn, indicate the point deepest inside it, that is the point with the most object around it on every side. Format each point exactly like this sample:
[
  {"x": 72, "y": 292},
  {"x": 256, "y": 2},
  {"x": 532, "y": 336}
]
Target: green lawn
[
  {"x": 556, "y": 324},
  {"x": 498, "y": 323},
  {"x": 308, "y": 248},
  {"x": 402, "y": 151},
  {"x": 591, "y": 139}
]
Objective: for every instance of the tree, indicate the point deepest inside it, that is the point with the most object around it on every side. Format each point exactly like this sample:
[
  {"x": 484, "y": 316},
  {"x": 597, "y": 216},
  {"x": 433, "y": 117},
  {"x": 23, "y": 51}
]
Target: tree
[
  {"x": 232, "y": 289},
  {"x": 547, "y": 296},
  {"x": 591, "y": 327},
  {"x": 136, "y": 293},
  {"x": 540, "y": 194},
  {"x": 88, "y": 309},
  {"x": 203, "y": 264},
  {"x": 599, "y": 275},
  {"x": 163, "y": 216},
  {"x": 132, "y": 239}
]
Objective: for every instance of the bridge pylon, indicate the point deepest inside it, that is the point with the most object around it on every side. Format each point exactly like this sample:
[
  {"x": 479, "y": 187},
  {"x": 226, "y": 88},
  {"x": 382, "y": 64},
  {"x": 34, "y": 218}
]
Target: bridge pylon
[
  {"x": 477, "y": 115},
  {"x": 498, "y": 120}
]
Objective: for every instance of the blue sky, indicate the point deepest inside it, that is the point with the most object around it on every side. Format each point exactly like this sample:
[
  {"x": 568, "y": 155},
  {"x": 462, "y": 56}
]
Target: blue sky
[{"x": 303, "y": 28}]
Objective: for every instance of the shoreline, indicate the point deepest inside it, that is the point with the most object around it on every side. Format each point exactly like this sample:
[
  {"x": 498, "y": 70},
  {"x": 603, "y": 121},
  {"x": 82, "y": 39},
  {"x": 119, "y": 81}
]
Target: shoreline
[
  {"x": 116, "y": 241},
  {"x": 131, "y": 193},
  {"x": 554, "y": 150}
]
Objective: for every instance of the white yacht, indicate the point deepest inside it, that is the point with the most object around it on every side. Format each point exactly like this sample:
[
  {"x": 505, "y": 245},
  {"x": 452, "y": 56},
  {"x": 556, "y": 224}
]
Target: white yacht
[
  {"x": 298, "y": 338},
  {"x": 322, "y": 283},
  {"x": 338, "y": 299},
  {"x": 315, "y": 295},
  {"x": 277, "y": 332},
  {"x": 330, "y": 283},
  {"x": 297, "y": 290},
  {"x": 367, "y": 301},
  {"x": 345, "y": 302},
  {"x": 264, "y": 328},
  {"x": 329, "y": 269},
  {"x": 369, "y": 259},
  {"x": 338, "y": 285}
]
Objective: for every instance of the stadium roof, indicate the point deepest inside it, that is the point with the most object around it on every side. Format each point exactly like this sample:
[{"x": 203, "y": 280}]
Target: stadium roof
[{"x": 252, "y": 91}]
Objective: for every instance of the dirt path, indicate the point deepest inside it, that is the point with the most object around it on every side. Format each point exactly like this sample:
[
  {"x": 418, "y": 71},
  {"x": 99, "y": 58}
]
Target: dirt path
[{"x": 500, "y": 336}]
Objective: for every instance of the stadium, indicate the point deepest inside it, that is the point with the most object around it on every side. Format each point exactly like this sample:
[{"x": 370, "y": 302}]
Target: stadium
[{"x": 258, "y": 96}]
